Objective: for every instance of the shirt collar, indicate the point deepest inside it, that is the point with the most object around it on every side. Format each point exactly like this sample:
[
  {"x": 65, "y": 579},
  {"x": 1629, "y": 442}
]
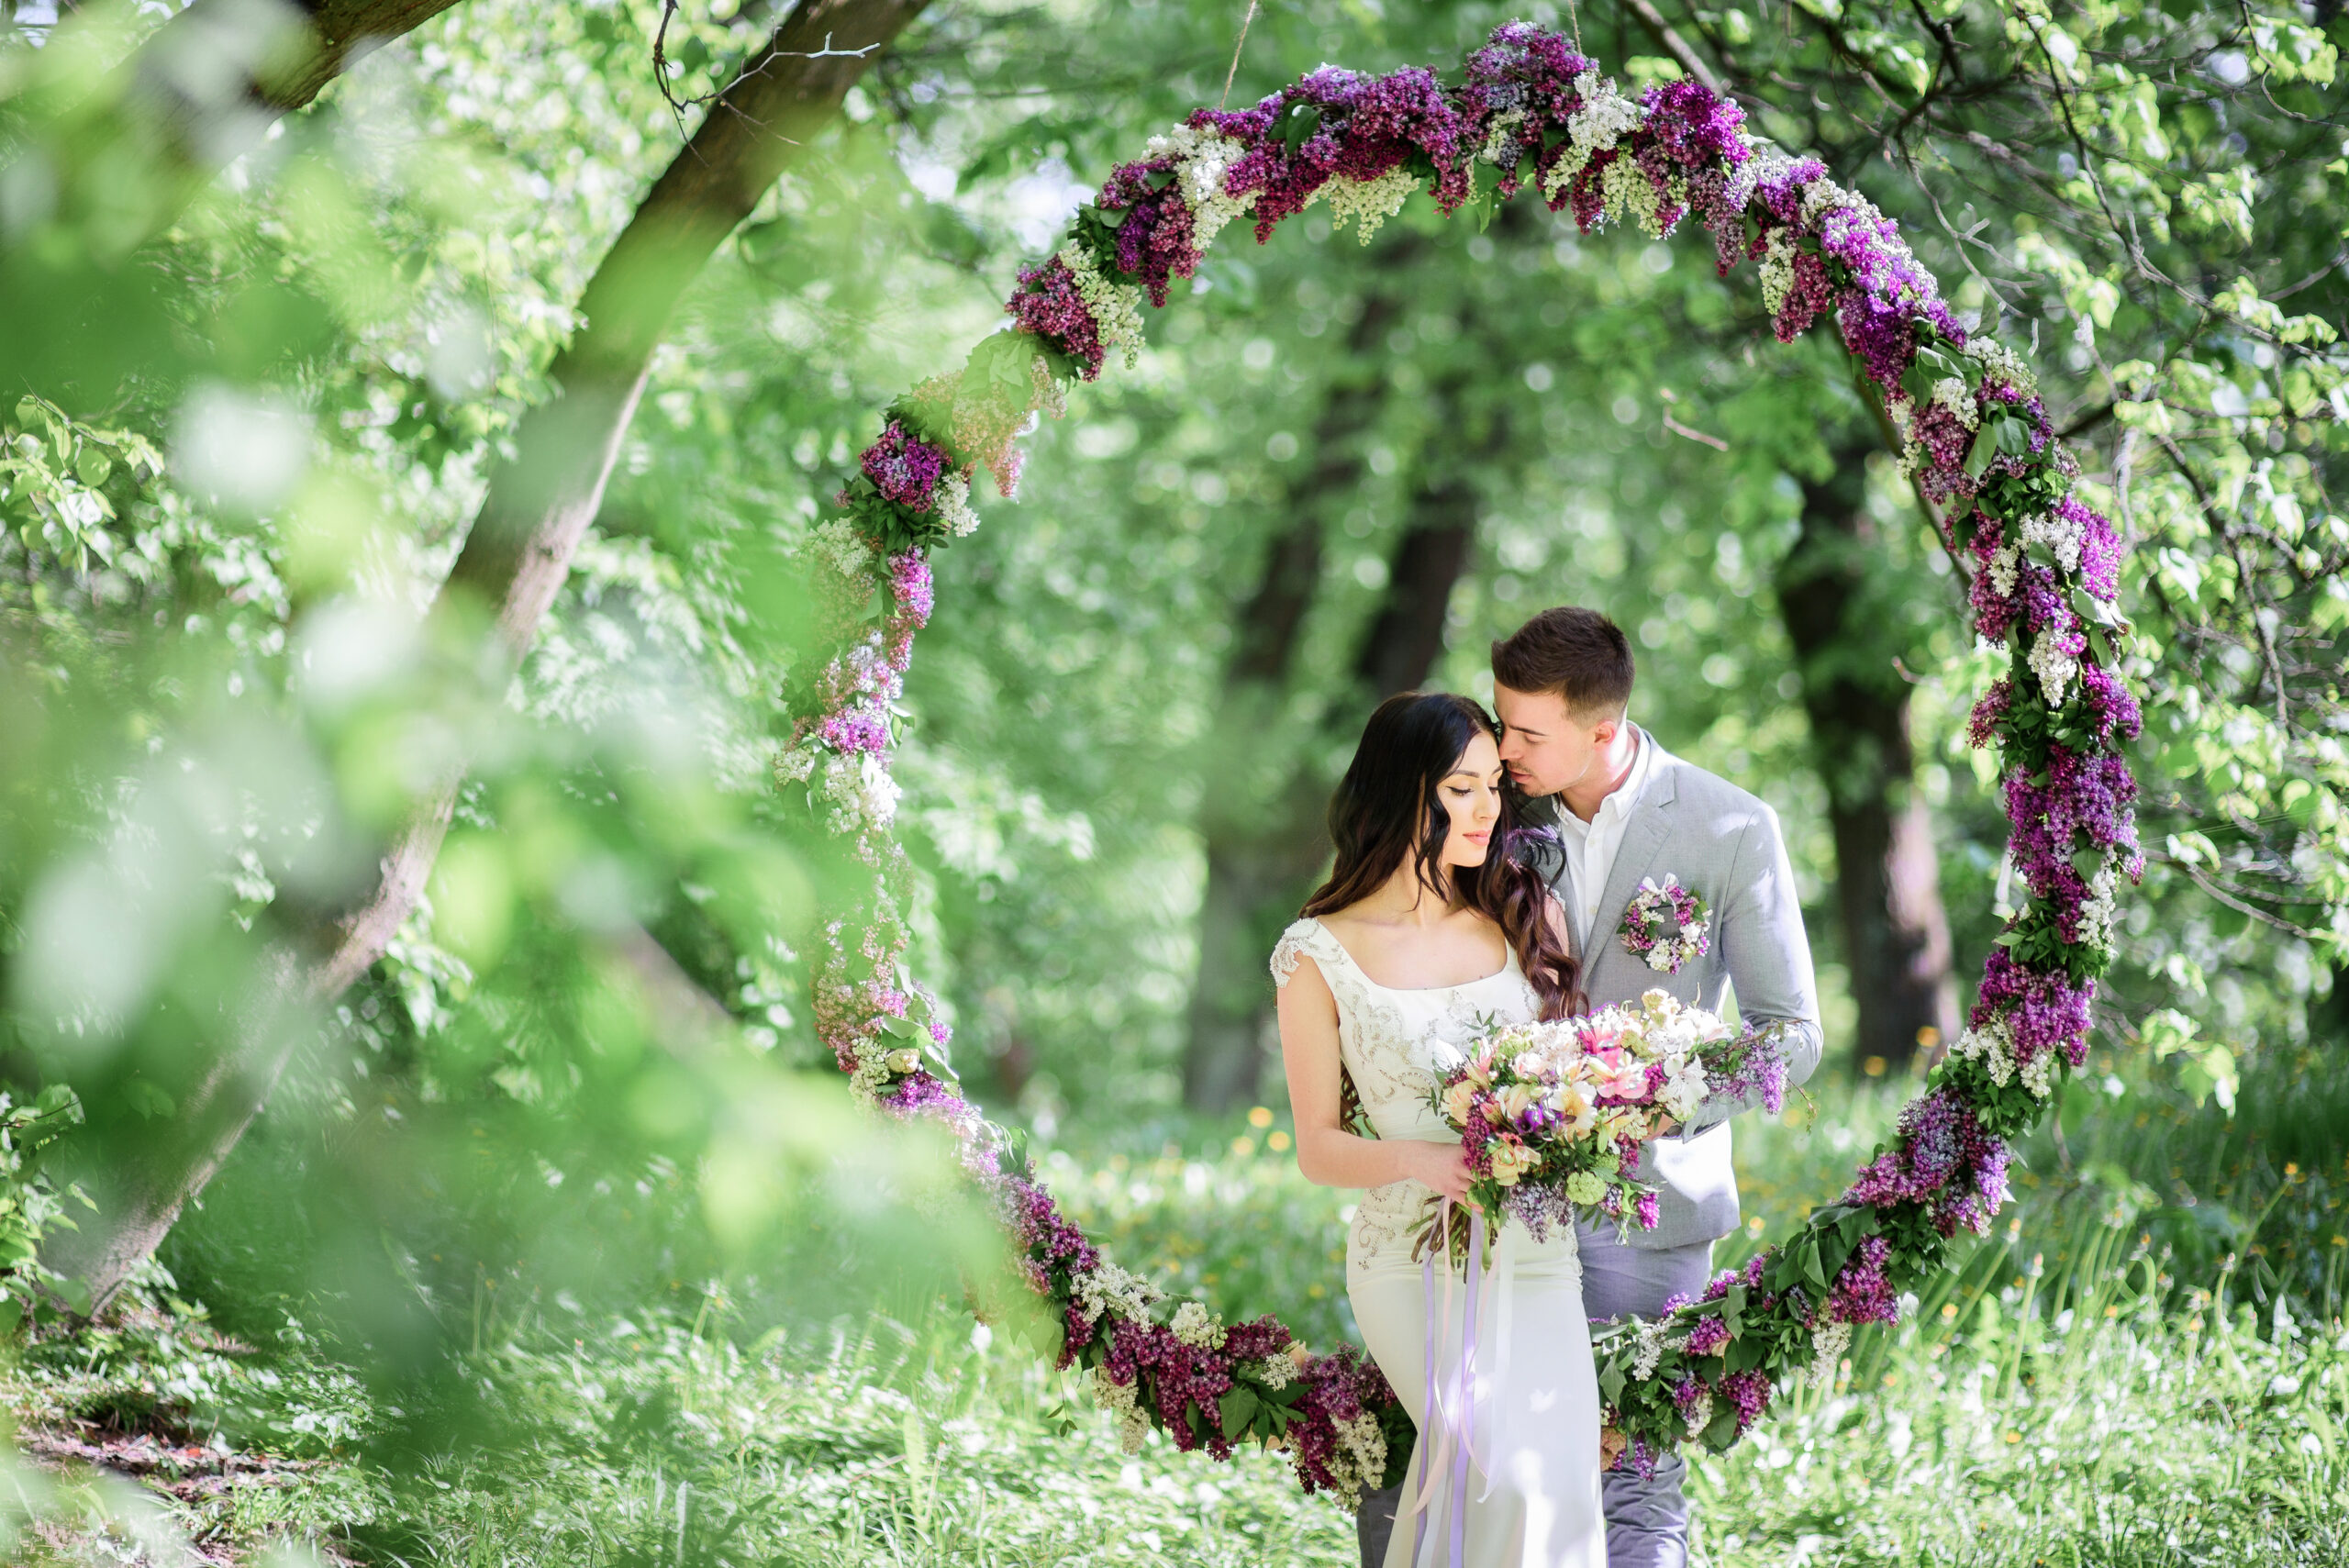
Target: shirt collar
[{"x": 1635, "y": 783}]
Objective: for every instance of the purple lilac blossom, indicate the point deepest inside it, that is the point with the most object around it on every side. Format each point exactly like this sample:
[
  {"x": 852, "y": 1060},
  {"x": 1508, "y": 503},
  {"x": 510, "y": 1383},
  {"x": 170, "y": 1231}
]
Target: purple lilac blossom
[
  {"x": 1048, "y": 304},
  {"x": 1158, "y": 240},
  {"x": 1863, "y": 1294},
  {"x": 904, "y": 468}
]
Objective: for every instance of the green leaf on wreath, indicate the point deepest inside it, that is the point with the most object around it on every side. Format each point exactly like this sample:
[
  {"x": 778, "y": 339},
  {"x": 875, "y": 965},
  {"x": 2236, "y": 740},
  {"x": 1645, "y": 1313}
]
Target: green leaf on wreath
[
  {"x": 1722, "y": 1431},
  {"x": 1979, "y": 455},
  {"x": 1236, "y": 1409},
  {"x": 1611, "y": 1382}
]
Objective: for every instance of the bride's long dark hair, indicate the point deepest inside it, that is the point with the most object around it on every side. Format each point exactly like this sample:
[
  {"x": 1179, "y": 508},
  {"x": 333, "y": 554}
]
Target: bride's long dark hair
[{"x": 1386, "y": 814}]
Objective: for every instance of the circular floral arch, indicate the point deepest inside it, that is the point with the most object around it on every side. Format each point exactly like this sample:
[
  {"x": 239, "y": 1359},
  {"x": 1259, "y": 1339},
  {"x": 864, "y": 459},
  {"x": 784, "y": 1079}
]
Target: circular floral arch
[{"x": 1531, "y": 113}]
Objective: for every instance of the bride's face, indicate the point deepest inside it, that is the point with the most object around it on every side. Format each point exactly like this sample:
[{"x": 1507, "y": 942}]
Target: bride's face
[{"x": 1471, "y": 797}]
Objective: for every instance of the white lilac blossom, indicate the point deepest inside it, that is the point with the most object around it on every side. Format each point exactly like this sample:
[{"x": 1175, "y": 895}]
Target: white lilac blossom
[
  {"x": 2063, "y": 536},
  {"x": 838, "y": 545},
  {"x": 1777, "y": 269},
  {"x": 2098, "y": 911},
  {"x": 954, "y": 505},
  {"x": 1999, "y": 362},
  {"x": 1203, "y": 158},
  {"x": 1606, "y": 115},
  {"x": 1698, "y": 1413},
  {"x": 1366, "y": 203},
  {"x": 1829, "y": 1342},
  {"x": 1109, "y": 1288},
  {"x": 1195, "y": 1326},
  {"x": 1276, "y": 1371},
  {"x": 1647, "y": 1349},
  {"x": 1361, "y": 1460},
  {"x": 1823, "y": 195},
  {"x": 1992, "y": 1043},
  {"x": 858, "y": 788},
  {"x": 2001, "y": 569},
  {"x": 1502, "y": 136},
  {"x": 1120, "y": 1400},
  {"x": 1116, "y": 307},
  {"x": 1951, "y": 394},
  {"x": 2054, "y": 662},
  {"x": 1628, "y": 192}
]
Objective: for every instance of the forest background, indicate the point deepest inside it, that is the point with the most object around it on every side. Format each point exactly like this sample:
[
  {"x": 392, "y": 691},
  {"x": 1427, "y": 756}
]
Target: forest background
[{"x": 419, "y": 416}]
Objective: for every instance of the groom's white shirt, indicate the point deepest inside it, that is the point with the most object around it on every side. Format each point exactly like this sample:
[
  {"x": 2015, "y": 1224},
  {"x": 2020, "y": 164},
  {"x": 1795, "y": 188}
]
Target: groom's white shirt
[{"x": 1590, "y": 846}]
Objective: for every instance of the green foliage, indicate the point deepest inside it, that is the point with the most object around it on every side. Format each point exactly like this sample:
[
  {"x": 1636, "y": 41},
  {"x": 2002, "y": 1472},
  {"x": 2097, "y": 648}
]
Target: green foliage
[{"x": 33, "y": 1206}]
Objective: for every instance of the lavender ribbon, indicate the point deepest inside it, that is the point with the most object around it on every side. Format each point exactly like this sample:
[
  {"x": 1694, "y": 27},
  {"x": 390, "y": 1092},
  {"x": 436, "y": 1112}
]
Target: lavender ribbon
[{"x": 1467, "y": 1402}]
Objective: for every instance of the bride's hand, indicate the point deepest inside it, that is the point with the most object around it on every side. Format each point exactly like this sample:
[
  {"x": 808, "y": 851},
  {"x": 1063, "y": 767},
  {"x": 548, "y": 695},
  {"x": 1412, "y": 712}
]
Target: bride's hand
[{"x": 1443, "y": 1166}]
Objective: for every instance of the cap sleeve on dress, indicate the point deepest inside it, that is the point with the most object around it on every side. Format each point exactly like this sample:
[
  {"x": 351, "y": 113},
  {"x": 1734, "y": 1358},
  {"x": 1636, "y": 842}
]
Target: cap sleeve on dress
[{"x": 1295, "y": 943}]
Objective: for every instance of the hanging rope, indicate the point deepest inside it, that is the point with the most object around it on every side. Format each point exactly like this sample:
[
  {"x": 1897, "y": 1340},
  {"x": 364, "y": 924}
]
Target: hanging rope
[{"x": 1243, "y": 43}]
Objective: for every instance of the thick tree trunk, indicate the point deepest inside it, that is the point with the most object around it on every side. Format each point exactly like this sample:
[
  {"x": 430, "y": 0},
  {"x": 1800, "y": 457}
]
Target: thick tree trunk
[
  {"x": 516, "y": 556},
  {"x": 1888, "y": 901},
  {"x": 1261, "y": 859}
]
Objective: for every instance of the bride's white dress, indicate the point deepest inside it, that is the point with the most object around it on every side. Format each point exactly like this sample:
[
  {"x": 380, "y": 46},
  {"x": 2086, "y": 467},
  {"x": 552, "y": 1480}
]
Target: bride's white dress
[{"x": 1531, "y": 1420}]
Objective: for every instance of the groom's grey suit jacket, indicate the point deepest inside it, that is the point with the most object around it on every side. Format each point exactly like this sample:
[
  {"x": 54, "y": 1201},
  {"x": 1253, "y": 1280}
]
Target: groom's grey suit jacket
[{"x": 1724, "y": 844}]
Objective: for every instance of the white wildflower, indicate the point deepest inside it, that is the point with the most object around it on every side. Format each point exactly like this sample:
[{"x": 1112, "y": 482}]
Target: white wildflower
[
  {"x": 1116, "y": 307},
  {"x": 2056, "y": 665},
  {"x": 1195, "y": 1326},
  {"x": 1366, "y": 203},
  {"x": 1203, "y": 158},
  {"x": 2062, "y": 536}
]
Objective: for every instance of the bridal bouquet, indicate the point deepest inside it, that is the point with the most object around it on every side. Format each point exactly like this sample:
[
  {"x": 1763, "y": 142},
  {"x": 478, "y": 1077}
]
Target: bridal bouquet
[{"x": 1552, "y": 1115}]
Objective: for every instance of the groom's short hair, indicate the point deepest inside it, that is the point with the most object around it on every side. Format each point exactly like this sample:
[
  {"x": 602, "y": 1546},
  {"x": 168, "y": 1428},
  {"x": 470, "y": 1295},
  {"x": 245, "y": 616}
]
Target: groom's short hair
[{"x": 1578, "y": 654}]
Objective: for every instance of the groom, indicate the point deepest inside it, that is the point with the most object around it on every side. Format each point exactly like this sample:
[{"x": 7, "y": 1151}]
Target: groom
[{"x": 1622, "y": 809}]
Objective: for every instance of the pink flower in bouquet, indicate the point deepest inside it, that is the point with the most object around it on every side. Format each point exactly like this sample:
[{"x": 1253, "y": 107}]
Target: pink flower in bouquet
[{"x": 1628, "y": 1082}]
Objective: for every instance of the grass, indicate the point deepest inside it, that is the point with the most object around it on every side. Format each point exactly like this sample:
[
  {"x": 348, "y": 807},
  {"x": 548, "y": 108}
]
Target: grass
[{"x": 2099, "y": 1388}]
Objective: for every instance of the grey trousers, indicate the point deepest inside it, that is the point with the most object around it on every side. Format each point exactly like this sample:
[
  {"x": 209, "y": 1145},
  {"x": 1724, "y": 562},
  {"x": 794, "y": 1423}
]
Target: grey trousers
[{"x": 1647, "y": 1520}]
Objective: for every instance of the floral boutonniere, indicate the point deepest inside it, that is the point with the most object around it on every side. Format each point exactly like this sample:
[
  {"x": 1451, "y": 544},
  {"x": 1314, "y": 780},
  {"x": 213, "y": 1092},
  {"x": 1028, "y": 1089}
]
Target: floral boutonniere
[{"x": 1666, "y": 924}]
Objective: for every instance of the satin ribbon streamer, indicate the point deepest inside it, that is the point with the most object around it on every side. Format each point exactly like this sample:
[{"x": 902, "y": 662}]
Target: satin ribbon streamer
[{"x": 1453, "y": 1402}]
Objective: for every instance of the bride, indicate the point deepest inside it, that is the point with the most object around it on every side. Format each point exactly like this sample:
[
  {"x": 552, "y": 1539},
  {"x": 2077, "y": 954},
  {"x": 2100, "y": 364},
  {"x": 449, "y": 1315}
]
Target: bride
[{"x": 1427, "y": 930}]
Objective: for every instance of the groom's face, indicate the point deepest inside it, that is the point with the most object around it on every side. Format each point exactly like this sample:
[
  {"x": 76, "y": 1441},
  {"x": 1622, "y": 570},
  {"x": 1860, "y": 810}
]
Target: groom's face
[{"x": 1545, "y": 747}]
